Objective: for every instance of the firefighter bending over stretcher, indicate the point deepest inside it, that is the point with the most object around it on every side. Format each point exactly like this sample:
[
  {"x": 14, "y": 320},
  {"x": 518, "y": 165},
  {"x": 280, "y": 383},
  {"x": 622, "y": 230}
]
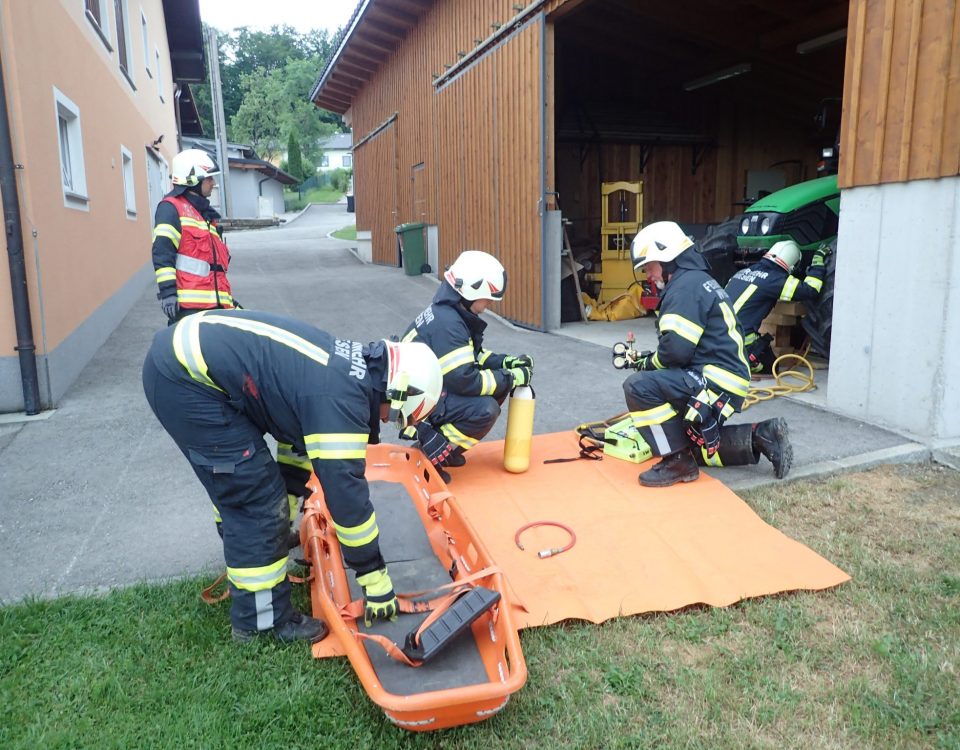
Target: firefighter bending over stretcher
[
  {"x": 475, "y": 380},
  {"x": 219, "y": 380},
  {"x": 698, "y": 376}
]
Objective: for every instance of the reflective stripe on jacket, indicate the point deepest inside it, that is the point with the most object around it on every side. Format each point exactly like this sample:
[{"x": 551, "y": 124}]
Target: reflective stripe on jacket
[
  {"x": 456, "y": 336},
  {"x": 190, "y": 257},
  {"x": 316, "y": 394},
  {"x": 699, "y": 330},
  {"x": 755, "y": 290}
]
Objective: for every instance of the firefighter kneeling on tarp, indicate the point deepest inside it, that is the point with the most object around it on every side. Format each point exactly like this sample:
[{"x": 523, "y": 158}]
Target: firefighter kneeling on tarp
[{"x": 698, "y": 375}]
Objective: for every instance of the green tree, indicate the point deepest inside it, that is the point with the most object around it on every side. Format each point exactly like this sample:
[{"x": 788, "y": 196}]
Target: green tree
[
  {"x": 253, "y": 66},
  {"x": 256, "y": 121},
  {"x": 294, "y": 159}
]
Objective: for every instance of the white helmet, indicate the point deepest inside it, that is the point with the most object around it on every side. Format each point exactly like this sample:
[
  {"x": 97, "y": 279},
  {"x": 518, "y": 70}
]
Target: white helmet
[
  {"x": 785, "y": 253},
  {"x": 190, "y": 167},
  {"x": 414, "y": 381},
  {"x": 661, "y": 241},
  {"x": 477, "y": 275}
]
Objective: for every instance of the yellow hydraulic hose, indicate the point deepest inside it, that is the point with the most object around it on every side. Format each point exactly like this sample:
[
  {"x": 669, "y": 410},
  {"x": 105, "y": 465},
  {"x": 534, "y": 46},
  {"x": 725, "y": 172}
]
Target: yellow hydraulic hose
[{"x": 789, "y": 380}]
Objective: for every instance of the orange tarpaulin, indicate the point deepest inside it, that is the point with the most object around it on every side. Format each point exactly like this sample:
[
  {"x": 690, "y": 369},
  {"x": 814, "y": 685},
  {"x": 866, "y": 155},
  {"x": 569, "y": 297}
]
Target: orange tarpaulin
[{"x": 637, "y": 550}]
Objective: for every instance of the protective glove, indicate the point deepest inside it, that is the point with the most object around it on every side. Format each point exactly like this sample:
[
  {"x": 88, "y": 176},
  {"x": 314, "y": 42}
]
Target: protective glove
[
  {"x": 520, "y": 360},
  {"x": 820, "y": 256},
  {"x": 379, "y": 600},
  {"x": 520, "y": 375},
  {"x": 433, "y": 444},
  {"x": 702, "y": 421},
  {"x": 170, "y": 306},
  {"x": 705, "y": 435},
  {"x": 645, "y": 361}
]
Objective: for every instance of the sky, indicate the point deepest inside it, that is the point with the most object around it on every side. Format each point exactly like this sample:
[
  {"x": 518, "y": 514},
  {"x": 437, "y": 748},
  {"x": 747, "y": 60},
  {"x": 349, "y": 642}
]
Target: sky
[{"x": 260, "y": 15}]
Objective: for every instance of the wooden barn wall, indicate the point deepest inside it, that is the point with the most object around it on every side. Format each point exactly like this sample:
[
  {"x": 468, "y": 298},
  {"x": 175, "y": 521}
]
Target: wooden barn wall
[
  {"x": 901, "y": 100},
  {"x": 467, "y": 156},
  {"x": 375, "y": 168},
  {"x": 672, "y": 189}
]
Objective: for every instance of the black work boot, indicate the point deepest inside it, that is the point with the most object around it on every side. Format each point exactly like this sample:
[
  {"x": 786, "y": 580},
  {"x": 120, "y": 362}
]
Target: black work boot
[
  {"x": 300, "y": 627},
  {"x": 772, "y": 439},
  {"x": 673, "y": 468},
  {"x": 455, "y": 459}
]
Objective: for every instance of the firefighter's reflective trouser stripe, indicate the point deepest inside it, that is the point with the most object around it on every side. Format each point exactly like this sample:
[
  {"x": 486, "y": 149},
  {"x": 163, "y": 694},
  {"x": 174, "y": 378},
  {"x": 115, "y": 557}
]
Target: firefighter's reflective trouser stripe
[
  {"x": 657, "y": 400},
  {"x": 736, "y": 448},
  {"x": 232, "y": 461},
  {"x": 465, "y": 420}
]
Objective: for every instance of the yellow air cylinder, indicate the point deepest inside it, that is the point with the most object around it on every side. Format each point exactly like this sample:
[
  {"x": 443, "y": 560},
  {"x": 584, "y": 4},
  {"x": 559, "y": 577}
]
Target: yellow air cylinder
[{"x": 516, "y": 447}]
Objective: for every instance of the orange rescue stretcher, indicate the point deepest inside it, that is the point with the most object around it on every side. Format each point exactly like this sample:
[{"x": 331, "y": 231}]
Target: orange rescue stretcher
[{"x": 428, "y": 543}]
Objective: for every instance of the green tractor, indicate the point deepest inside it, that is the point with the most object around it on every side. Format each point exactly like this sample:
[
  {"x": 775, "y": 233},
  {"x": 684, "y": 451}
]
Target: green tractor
[{"x": 807, "y": 213}]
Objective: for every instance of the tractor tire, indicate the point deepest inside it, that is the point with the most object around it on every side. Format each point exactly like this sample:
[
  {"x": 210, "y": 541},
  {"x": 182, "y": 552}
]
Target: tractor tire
[
  {"x": 719, "y": 247},
  {"x": 818, "y": 322}
]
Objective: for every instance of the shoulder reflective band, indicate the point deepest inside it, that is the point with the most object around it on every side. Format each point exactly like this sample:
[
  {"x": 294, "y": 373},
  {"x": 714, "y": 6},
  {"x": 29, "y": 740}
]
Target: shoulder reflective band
[
  {"x": 684, "y": 328},
  {"x": 197, "y": 267},
  {"x": 266, "y": 330},
  {"x": 186, "y": 347},
  {"x": 336, "y": 445}
]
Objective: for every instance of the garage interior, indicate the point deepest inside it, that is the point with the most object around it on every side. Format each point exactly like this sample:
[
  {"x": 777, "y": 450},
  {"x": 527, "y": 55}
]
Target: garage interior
[{"x": 709, "y": 105}]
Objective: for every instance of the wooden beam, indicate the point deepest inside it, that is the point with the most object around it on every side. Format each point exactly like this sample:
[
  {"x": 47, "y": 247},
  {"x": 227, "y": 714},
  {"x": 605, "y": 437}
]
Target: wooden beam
[
  {"x": 806, "y": 27},
  {"x": 399, "y": 17}
]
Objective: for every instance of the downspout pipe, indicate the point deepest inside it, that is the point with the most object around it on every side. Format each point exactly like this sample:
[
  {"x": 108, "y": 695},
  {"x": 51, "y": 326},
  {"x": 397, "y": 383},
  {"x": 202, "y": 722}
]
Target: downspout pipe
[{"x": 13, "y": 230}]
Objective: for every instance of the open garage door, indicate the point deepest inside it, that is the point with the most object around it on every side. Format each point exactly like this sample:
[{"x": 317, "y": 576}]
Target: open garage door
[{"x": 708, "y": 105}]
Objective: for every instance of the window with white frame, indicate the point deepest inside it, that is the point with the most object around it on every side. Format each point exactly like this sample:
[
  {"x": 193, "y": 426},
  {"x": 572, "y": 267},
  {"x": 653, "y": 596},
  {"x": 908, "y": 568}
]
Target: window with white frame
[
  {"x": 123, "y": 39},
  {"x": 324, "y": 161},
  {"x": 129, "y": 193},
  {"x": 347, "y": 160},
  {"x": 72, "y": 175},
  {"x": 145, "y": 33},
  {"x": 156, "y": 59},
  {"x": 98, "y": 14}
]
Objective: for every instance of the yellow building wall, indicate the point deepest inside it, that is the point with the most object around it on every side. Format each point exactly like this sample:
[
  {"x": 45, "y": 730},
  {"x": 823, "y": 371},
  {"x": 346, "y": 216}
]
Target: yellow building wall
[{"x": 77, "y": 259}]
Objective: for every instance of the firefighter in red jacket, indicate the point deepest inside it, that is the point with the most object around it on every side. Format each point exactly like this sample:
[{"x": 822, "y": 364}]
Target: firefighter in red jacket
[
  {"x": 220, "y": 380},
  {"x": 190, "y": 258},
  {"x": 698, "y": 375}
]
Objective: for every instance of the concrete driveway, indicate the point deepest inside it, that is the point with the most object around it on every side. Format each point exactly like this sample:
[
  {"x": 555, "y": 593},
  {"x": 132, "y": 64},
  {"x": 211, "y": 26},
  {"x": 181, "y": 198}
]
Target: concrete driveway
[{"x": 96, "y": 495}]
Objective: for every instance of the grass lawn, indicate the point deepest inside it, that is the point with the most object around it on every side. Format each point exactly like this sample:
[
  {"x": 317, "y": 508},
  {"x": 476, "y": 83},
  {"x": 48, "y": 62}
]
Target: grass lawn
[
  {"x": 346, "y": 233},
  {"x": 872, "y": 664},
  {"x": 292, "y": 201}
]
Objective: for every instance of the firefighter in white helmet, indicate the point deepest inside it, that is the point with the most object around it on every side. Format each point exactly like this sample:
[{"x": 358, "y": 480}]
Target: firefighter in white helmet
[
  {"x": 755, "y": 290},
  {"x": 220, "y": 380},
  {"x": 698, "y": 375},
  {"x": 476, "y": 381},
  {"x": 190, "y": 258}
]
